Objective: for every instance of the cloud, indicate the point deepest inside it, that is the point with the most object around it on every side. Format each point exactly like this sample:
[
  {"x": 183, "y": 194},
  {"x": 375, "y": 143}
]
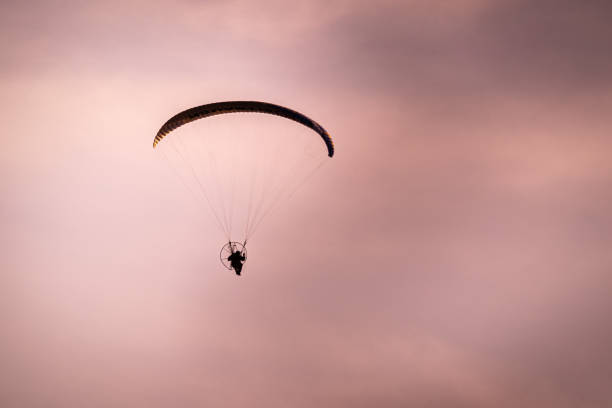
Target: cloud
[{"x": 455, "y": 251}]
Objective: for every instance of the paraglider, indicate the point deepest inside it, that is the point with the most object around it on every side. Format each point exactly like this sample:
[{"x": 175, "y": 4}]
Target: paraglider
[
  {"x": 236, "y": 258},
  {"x": 242, "y": 170}
]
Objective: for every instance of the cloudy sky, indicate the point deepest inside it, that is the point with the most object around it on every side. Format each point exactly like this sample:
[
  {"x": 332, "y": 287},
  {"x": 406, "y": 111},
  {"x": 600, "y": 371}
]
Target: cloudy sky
[{"x": 454, "y": 253}]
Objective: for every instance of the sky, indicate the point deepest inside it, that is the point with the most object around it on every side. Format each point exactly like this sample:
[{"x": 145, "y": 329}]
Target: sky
[{"x": 455, "y": 252}]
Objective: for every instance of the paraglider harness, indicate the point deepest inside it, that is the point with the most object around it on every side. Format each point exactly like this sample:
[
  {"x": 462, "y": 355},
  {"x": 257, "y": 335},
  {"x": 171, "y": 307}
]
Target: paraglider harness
[{"x": 233, "y": 256}]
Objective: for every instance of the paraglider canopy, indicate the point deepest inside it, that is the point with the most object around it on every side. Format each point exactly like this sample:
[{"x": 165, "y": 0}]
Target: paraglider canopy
[{"x": 219, "y": 108}]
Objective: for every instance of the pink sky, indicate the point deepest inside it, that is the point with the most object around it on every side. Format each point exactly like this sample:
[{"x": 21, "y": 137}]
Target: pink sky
[{"x": 454, "y": 253}]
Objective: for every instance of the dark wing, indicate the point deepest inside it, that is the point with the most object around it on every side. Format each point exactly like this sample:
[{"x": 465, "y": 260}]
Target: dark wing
[{"x": 219, "y": 108}]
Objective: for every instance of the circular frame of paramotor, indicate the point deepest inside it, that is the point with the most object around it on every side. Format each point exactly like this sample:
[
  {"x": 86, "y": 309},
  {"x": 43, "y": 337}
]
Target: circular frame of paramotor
[{"x": 229, "y": 249}]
